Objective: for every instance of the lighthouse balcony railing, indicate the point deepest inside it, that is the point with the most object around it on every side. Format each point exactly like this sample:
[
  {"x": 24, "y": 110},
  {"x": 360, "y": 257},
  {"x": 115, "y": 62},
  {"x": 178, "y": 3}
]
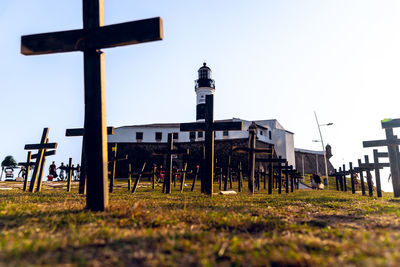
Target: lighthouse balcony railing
[{"x": 205, "y": 83}]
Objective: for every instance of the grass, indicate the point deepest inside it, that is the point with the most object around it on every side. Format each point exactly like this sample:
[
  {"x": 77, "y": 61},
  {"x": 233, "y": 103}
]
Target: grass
[{"x": 305, "y": 228}]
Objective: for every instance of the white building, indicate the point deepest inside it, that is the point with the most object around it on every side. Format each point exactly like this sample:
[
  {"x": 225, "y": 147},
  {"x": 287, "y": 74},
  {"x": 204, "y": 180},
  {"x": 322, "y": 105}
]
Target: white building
[{"x": 268, "y": 131}]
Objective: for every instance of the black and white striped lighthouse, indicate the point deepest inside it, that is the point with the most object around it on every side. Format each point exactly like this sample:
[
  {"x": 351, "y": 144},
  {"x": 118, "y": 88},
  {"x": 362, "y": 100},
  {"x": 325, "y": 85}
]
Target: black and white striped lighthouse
[{"x": 204, "y": 85}]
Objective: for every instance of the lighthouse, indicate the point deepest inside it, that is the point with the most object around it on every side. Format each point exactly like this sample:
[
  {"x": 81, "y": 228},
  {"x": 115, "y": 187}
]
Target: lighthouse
[{"x": 204, "y": 85}]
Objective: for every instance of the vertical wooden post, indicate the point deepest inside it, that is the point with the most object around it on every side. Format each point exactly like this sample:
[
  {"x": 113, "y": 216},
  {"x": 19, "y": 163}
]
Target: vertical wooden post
[
  {"x": 361, "y": 178},
  {"x": 202, "y": 170},
  {"x": 95, "y": 113},
  {"x": 129, "y": 176},
  {"x": 280, "y": 177},
  {"x": 168, "y": 172},
  {"x": 113, "y": 164},
  {"x": 341, "y": 179},
  {"x": 353, "y": 188},
  {"x": 195, "y": 178},
  {"x": 337, "y": 180},
  {"x": 369, "y": 178},
  {"x": 153, "y": 182},
  {"x": 83, "y": 177},
  {"x": 27, "y": 169},
  {"x": 394, "y": 162},
  {"x": 69, "y": 175},
  {"x": 40, "y": 177},
  {"x": 240, "y": 180},
  {"x": 287, "y": 177},
  {"x": 209, "y": 144},
  {"x": 252, "y": 157},
  {"x": 291, "y": 182},
  {"x": 229, "y": 172},
  {"x": 183, "y": 176},
  {"x": 270, "y": 177},
  {"x": 344, "y": 179},
  {"x": 377, "y": 174}
]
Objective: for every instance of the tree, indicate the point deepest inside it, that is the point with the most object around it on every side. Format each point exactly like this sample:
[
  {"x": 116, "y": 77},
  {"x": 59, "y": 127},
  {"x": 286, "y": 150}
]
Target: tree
[{"x": 9, "y": 162}]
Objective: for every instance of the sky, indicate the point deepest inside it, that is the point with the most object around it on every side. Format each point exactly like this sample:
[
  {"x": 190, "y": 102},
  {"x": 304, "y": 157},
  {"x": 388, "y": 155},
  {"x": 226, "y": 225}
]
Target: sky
[{"x": 270, "y": 60}]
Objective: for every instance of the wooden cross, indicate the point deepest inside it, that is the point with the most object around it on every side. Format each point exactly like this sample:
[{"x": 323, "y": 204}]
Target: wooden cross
[
  {"x": 392, "y": 143},
  {"x": 93, "y": 37},
  {"x": 41, "y": 147},
  {"x": 73, "y": 132},
  {"x": 209, "y": 126},
  {"x": 183, "y": 172},
  {"x": 352, "y": 172},
  {"x": 277, "y": 161},
  {"x": 252, "y": 150},
  {"x": 169, "y": 152},
  {"x": 45, "y": 155},
  {"x": 69, "y": 169},
  {"x": 113, "y": 162},
  {"x": 377, "y": 166},
  {"x": 27, "y": 166}
]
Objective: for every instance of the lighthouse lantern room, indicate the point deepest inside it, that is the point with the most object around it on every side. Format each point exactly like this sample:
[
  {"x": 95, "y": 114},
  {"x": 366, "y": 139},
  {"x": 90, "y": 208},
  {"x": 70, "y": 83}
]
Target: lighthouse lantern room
[{"x": 204, "y": 85}]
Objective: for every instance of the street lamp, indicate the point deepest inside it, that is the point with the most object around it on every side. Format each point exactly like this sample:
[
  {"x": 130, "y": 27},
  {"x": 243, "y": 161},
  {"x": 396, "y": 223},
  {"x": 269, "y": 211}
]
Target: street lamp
[{"x": 323, "y": 147}]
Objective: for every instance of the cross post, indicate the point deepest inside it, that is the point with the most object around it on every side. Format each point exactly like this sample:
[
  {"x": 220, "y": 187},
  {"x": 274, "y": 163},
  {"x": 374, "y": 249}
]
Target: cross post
[
  {"x": 93, "y": 37},
  {"x": 209, "y": 126}
]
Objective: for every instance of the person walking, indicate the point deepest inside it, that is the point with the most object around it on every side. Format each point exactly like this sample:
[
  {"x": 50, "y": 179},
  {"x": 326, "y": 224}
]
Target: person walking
[{"x": 52, "y": 170}]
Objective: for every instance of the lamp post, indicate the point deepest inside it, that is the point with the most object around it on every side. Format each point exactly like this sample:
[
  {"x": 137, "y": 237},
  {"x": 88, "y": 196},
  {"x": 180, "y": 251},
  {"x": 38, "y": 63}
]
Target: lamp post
[{"x": 323, "y": 148}]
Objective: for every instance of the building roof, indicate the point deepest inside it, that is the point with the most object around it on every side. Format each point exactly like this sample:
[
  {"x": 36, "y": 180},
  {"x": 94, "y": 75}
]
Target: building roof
[
  {"x": 263, "y": 124},
  {"x": 309, "y": 151}
]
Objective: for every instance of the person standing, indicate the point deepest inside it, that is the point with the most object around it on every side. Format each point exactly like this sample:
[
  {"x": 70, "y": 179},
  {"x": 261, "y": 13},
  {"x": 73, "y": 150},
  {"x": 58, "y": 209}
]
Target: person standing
[
  {"x": 62, "y": 171},
  {"x": 52, "y": 170}
]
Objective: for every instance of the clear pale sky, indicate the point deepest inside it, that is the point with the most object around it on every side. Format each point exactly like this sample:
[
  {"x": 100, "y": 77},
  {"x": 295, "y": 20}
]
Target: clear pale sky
[{"x": 270, "y": 60}]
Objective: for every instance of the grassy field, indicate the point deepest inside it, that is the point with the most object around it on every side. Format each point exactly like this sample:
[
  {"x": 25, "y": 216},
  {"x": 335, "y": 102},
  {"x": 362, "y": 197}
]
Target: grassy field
[{"x": 305, "y": 228}]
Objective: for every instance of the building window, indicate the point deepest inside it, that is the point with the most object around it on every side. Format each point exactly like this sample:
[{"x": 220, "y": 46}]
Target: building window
[
  {"x": 192, "y": 136},
  {"x": 225, "y": 133},
  {"x": 139, "y": 136},
  {"x": 199, "y": 134},
  {"x": 270, "y": 134},
  {"x": 261, "y": 132},
  {"x": 158, "y": 136},
  {"x": 175, "y": 136}
]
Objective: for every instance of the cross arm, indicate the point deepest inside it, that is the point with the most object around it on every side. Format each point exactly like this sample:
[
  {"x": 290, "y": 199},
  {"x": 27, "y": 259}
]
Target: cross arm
[
  {"x": 393, "y": 123},
  {"x": 192, "y": 126},
  {"x": 46, "y": 154},
  {"x": 41, "y": 146},
  {"x": 274, "y": 160},
  {"x": 102, "y": 37},
  {"x": 81, "y": 131},
  {"x": 25, "y": 164},
  {"x": 225, "y": 126},
  {"x": 375, "y": 143}
]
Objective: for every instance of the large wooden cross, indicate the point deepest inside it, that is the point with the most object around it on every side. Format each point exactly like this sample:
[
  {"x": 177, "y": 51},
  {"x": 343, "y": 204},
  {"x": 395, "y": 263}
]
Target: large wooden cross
[
  {"x": 209, "y": 126},
  {"x": 93, "y": 37},
  {"x": 252, "y": 150},
  {"x": 392, "y": 143},
  {"x": 113, "y": 163},
  {"x": 41, "y": 147},
  {"x": 69, "y": 169}
]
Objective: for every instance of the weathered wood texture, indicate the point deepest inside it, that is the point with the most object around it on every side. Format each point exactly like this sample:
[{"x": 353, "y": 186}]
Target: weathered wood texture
[{"x": 90, "y": 39}]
